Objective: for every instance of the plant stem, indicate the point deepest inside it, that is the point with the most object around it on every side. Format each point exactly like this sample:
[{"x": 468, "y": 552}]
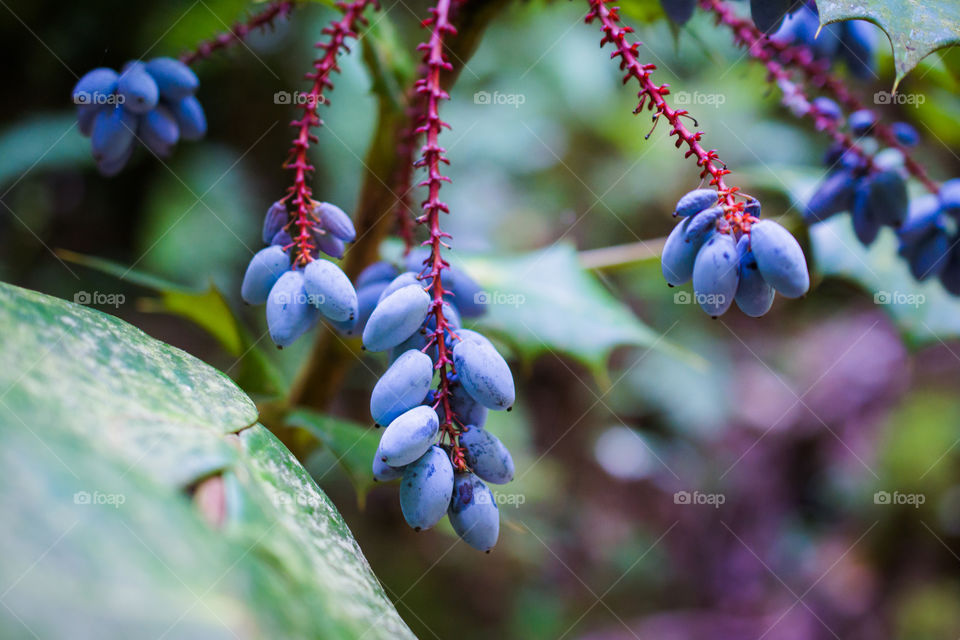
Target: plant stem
[
  {"x": 431, "y": 156},
  {"x": 331, "y": 357},
  {"x": 323, "y": 67},
  {"x": 653, "y": 97},
  {"x": 764, "y": 48},
  {"x": 239, "y": 31}
]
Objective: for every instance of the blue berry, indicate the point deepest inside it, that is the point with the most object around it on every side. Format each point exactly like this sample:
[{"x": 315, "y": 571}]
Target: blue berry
[
  {"x": 113, "y": 134},
  {"x": 905, "y": 134},
  {"x": 754, "y": 296},
  {"x": 138, "y": 89},
  {"x": 950, "y": 197},
  {"x": 159, "y": 131},
  {"x": 950, "y": 274},
  {"x": 695, "y": 202},
  {"x": 377, "y": 272},
  {"x": 396, "y": 317},
  {"x": 465, "y": 293},
  {"x": 282, "y": 238},
  {"x": 679, "y": 11},
  {"x": 702, "y": 225},
  {"x": 862, "y": 121},
  {"x": 865, "y": 226},
  {"x": 402, "y": 387},
  {"x": 486, "y": 455},
  {"x": 473, "y": 512},
  {"x": 676, "y": 262},
  {"x": 330, "y": 244},
  {"x": 113, "y": 166},
  {"x": 779, "y": 258},
  {"x": 409, "y": 436},
  {"x": 828, "y": 108},
  {"x": 924, "y": 214},
  {"x": 174, "y": 79},
  {"x": 405, "y": 279},
  {"x": 289, "y": 315},
  {"x": 769, "y": 14},
  {"x": 426, "y": 489},
  {"x": 465, "y": 408},
  {"x": 265, "y": 268},
  {"x": 884, "y": 196},
  {"x": 96, "y": 88},
  {"x": 382, "y": 472},
  {"x": 335, "y": 221},
  {"x": 715, "y": 274},
  {"x": 857, "y": 48},
  {"x": 330, "y": 290},
  {"x": 833, "y": 195},
  {"x": 274, "y": 222},
  {"x": 484, "y": 374},
  {"x": 189, "y": 115}
]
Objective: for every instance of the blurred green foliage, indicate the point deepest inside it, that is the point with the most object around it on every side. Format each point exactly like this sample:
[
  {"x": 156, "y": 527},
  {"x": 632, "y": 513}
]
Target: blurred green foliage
[{"x": 798, "y": 418}]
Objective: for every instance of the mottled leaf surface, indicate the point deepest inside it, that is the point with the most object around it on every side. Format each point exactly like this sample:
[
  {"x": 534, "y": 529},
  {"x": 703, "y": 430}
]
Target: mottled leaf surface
[
  {"x": 103, "y": 433},
  {"x": 916, "y": 28}
]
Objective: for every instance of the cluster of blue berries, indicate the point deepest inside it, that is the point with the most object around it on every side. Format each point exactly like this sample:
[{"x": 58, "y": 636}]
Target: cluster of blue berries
[
  {"x": 929, "y": 237},
  {"x": 873, "y": 190},
  {"x": 152, "y": 102},
  {"x": 435, "y": 479},
  {"x": 875, "y": 194},
  {"x": 464, "y": 296},
  {"x": 744, "y": 263},
  {"x": 298, "y": 294},
  {"x": 851, "y": 41}
]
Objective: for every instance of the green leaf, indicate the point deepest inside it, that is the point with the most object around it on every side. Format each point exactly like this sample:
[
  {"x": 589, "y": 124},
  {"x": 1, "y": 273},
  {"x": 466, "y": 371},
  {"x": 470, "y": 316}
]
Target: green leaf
[
  {"x": 916, "y": 29},
  {"x": 546, "y": 302},
  {"x": 209, "y": 310},
  {"x": 102, "y": 429},
  {"x": 46, "y": 141},
  {"x": 923, "y": 311},
  {"x": 352, "y": 445}
]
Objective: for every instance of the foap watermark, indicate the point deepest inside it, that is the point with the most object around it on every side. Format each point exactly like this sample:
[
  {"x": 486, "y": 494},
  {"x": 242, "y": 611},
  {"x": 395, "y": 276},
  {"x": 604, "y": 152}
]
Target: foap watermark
[
  {"x": 298, "y": 98},
  {"x": 302, "y": 499},
  {"x": 499, "y": 298},
  {"x": 897, "y": 498},
  {"x": 97, "y": 98},
  {"x": 711, "y": 299},
  {"x": 909, "y": 99},
  {"x": 502, "y": 499},
  {"x": 96, "y": 498},
  {"x": 99, "y": 298},
  {"x": 899, "y": 298},
  {"x": 699, "y": 498},
  {"x": 698, "y": 98},
  {"x": 314, "y": 299},
  {"x": 510, "y": 99}
]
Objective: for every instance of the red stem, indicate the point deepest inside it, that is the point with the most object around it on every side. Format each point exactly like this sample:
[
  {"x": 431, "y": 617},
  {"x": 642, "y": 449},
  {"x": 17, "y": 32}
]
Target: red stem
[
  {"x": 431, "y": 155},
  {"x": 816, "y": 73},
  {"x": 747, "y": 35},
  {"x": 652, "y": 96},
  {"x": 239, "y": 31},
  {"x": 303, "y": 202}
]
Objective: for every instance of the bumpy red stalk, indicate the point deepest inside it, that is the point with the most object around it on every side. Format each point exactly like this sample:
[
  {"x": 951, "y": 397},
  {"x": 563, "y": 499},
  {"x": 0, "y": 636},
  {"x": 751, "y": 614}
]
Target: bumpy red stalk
[
  {"x": 747, "y": 35},
  {"x": 652, "y": 96},
  {"x": 300, "y": 193},
  {"x": 239, "y": 31},
  {"x": 431, "y": 155},
  {"x": 815, "y": 72}
]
